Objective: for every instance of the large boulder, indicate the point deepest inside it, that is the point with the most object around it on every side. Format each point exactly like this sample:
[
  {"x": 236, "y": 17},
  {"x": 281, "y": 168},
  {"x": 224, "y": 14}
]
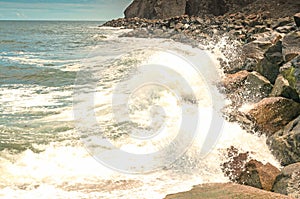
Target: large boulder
[
  {"x": 225, "y": 191},
  {"x": 282, "y": 88},
  {"x": 155, "y": 9},
  {"x": 272, "y": 114},
  {"x": 288, "y": 182},
  {"x": 285, "y": 144},
  {"x": 291, "y": 45}
]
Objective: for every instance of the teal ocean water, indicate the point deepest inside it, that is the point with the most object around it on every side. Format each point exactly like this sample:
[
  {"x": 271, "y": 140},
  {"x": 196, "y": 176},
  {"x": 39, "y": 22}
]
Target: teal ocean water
[{"x": 41, "y": 155}]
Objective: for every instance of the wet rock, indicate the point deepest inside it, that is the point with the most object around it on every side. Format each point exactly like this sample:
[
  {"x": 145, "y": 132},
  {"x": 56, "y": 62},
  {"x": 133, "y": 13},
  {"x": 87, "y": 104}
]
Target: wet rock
[
  {"x": 287, "y": 182},
  {"x": 233, "y": 81},
  {"x": 235, "y": 164},
  {"x": 256, "y": 87},
  {"x": 297, "y": 19},
  {"x": 271, "y": 114},
  {"x": 285, "y": 143},
  {"x": 246, "y": 86},
  {"x": 291, "y": 45},
  {"x": 258, "y": 175},
  {"x": 252, "y": 173},
  {"x": 282, "y": 88}
]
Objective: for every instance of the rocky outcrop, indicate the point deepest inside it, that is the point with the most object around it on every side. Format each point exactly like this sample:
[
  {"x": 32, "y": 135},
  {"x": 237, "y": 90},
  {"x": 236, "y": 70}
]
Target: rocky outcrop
[
  {"x": 225, "y": 191},
  {"x": 288, "y": 182},
  {"x": 285, "y": 144},
  {"x": 271, "y": 114}
]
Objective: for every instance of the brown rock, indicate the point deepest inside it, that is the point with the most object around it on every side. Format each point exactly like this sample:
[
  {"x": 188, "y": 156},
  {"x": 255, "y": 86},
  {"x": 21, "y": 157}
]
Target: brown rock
[
  {"x": 226, "y": 191},
  {"x": 234, "y": 81},
  {"x": 258, "y": 175},
  {"x": 272, "y": 114}
]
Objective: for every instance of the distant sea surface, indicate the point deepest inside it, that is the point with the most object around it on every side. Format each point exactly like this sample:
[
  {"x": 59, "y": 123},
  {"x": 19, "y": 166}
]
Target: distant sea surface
[{"x": 41, "y": 155}]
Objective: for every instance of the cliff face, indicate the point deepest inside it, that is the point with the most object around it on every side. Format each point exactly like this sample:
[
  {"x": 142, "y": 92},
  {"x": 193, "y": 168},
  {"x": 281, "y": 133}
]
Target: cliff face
[
  {"x": 155, "y": 9},
  {"x": 159, "y": 9}
]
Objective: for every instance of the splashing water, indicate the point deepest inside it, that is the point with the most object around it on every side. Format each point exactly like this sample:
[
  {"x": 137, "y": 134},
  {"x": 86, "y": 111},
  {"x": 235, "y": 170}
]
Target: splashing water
[{"x": 43, "y": 155}]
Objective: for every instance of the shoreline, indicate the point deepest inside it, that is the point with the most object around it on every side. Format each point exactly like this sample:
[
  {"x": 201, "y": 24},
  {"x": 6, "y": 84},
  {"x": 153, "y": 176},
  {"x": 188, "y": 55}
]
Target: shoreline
[{"x": 257, "y": 39}]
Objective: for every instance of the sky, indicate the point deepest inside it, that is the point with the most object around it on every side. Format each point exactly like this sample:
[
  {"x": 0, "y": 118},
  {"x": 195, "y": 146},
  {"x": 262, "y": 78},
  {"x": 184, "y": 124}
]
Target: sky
[{"x": 95, "y": 10}]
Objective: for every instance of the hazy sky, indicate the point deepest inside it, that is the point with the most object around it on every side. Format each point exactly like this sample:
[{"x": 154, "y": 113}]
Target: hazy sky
[{"x": 62, "y": 9}]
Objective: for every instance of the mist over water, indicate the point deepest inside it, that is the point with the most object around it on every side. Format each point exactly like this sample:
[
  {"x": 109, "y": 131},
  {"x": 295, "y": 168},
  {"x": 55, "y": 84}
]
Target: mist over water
[{"x": 43, "y": 64}]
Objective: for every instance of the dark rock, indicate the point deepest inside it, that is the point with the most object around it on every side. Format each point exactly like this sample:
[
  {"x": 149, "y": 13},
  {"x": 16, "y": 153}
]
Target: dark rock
[
  {"x": 156, "y": 9},
  {"x": 291, "y": 45},
  {"x": 285, "y": 143},
  {"x": 282, "y": 88},
  {"x": 287, "y": 182},
  {"x": 270, "y": 64},
  {"x": 297, "y": 19},
  {"x": 281, "y": 22},
  {"x": 257, "y": 87},
  {"x": 291, "y": 72},
  {"x": 271, "y": 114}
]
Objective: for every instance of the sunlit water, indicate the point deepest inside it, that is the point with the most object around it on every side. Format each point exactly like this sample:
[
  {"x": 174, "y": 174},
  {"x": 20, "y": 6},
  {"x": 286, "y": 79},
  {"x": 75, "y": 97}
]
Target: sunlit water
[{"x": 44, "y": 64}]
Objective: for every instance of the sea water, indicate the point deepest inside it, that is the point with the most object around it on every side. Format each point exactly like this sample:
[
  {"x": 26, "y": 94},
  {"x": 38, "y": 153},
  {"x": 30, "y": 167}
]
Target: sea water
[{"x": 45, "y": 79}]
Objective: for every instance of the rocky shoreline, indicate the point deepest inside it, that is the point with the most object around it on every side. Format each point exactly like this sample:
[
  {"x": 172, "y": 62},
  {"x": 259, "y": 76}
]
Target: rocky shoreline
[{"x": 263, "y": 71}]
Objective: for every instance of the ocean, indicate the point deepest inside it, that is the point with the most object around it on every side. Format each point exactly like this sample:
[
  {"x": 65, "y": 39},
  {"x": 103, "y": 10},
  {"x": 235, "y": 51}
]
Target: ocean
[{"x": 87, "y": 114}]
